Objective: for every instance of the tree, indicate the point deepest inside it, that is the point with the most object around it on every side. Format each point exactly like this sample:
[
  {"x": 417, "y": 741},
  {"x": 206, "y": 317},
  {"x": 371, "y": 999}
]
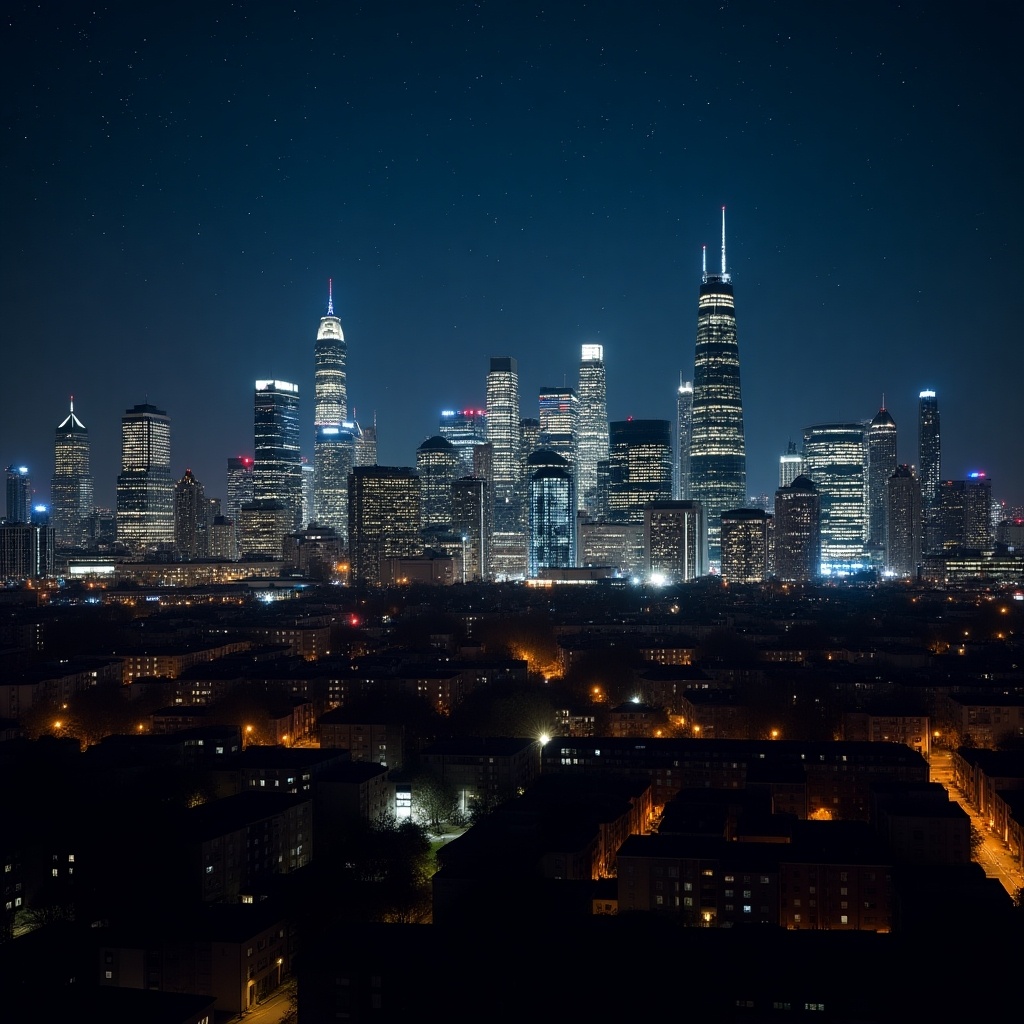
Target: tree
[{"x": 435, "y": 802}]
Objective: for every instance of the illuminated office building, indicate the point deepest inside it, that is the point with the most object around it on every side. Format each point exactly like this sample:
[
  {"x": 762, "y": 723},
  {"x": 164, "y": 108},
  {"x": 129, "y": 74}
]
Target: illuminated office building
[
  {"x": 797, "y": 542},
  {"x": 791, "y": 465},
  {"x": 472, "y": 520},
  {"x": 836, "y": 461},
  {"x": 239, "y": 488},
  {"x": 746, "y": 545},
  {"x": 929, "y": 467},
  {"x": 964, "y": 515},
  {"x": 465, "y": 429},
  {"x": 593, "y": 424},
  {"x": 19, "y": 495},
  {"x": 504, "y": 436},
  {"x": 365, "y": 444},
  {"x": 903, "y": 523},
  {"x": 277, "y": 467},
  {"x": 439, "y": 466},
  {"x": 718, "y": 462},
  {"x": 26, "y": 551},
  {"x": 684, "y": 430},
  {"x": 384, "y": 520},
  {"x": 559, "y": 422},
  {"x": 675, "y": 540},
  {"x": 330, "y": 382},
  {"x": 333, "y": 459},
  {"x": 881, "y": 441},
  {"x": 145, "y": 490},
  {"x": 190, "y": 517},
  {"x": 640, "y": 467},
  {"x": 71, "y": 489},
  {"x": 551, "y": 503}
]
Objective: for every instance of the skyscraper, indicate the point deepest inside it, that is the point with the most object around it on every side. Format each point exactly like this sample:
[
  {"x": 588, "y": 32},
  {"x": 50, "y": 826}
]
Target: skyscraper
[
  {"x": 881, "y": 441},
  {"x": 239, "y": 487},
  {"x": 384, "y": 519},
  {"x": 746, "y": 538},
  {"x": 472, "y": 512},
  {"x": 684, "y": 430},
  {"x": 560, "y": 423},
  {"x": 190, "y": 517},
  {"x": 438, "y": 465},
  {"x": 593, "y": 424},
  {"x": 465, "y": 428},
  {"x": 551, "y": 502},
  {"x": 640, "y": 467},
  {"x": 71, "y": 492},
  {"x": 332, "y": 447},
  {"x": 903, "y": 523},
  {"x": 277, "y": 467},
  {"x": 791, "y": 465},
  {"x": 797, "y": 531},
  {"x": 929, "y": 467},
  {"x": 718, "y": 461},
  {"x": 675, "y": 539},
  {"x": 145, "y": 490},
  {"x": 19, "y": 495},
  {"x": 504, "y": 435},
  {"x": 836, "y": 461}
]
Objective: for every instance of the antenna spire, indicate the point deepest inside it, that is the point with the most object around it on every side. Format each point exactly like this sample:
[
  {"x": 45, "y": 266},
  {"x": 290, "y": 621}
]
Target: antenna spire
[
  {"x": 723, "y": 241},
  {"x": 330, "y": 296},
  {"x": 704, "y": 262},
  {"x": 72, "y": 403}
]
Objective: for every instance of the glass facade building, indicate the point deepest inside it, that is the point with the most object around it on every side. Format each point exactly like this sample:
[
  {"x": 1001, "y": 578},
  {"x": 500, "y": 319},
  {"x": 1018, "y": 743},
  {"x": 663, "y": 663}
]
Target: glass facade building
[
  {"x": 277, "y": 466},
  {"x": 929, "y": 467},
  {"x": 464, "y": 428},
  {"x": 593, "y": 425},
  {"x": 836, "y": 459},
  {"x": 145, "y": 490},
  {"x": 684, "y": 431},
  {"x": 384, "y": 519},
  {"x": 718, "y": 461},
  {"x": 881, "y": 440},
  {"x": 675, "y": 538},
  {"x": 439, "y": 466},
  {"x": 746, "y": 545},
  {"x": 333, "y": 445},
  {"x": 903, "y": 523},
  {"x": 639, "y": 467},
  {"x": 71, "y": 489},
  {"x": 551, "y": 503},
  {"x": 797, "y": 545}
]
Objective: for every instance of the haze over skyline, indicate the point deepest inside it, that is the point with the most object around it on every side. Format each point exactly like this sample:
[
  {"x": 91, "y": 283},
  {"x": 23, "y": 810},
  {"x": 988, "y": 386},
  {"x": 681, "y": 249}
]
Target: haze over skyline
[{"x": 498, "y": 179}]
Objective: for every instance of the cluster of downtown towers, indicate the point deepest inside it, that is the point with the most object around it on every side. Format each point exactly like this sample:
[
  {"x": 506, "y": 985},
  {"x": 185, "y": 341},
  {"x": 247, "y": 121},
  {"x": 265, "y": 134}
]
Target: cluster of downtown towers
[{"x": 508, "y": 497}]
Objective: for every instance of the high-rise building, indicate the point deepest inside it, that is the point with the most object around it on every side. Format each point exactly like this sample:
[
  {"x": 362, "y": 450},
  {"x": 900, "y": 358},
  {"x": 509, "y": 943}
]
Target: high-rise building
[
  {"x": 19, "y": 495},
  {"x": 439, "y": 466},
  {"x": 746, "y": 545},
  {"x": 551, "y": 503},
  {"x": 190, "y": 517},
  {"x": 383, "y": 518},
  {"x": 718, "y": 460},
  {"x": 472, "y": 512},
  {"x": 791, "y": 465},
  {"x": 277, "y": 467},
  {"x": 640, "y": 467},
  {"x": 964, "y": 518},
  {"x": 333, "y": 452},
  {"x": 593, "y": 424},
  {"x": 881, "y": 442},
  {"x": 308, "y": 482},
  {"x": 330, "y": 382},
  {"x": 675, "y": 538},
  {"x": 71, "y": 490},
  {"x": 145, "y": 490},
  {"x": 26, "y": 551},
  {"x": 903, "y": 523},
  {"x": 929, "y": 467},
  {"x": 504, "y": 436},
  {"x": 797, "y": 546},
  {"x": 684, "y": 431},
  {"x": 465, "y": 428},
  {"x": 560, "y": 424},
  {"x": 239, "y": 488},
  {"x": 836, "y": 455},
  {"x": 365, "y": 444}
]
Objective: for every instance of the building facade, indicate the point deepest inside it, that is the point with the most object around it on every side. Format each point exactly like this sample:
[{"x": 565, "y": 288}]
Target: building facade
[
  {"x": 19, "y": 495},
  {"x": 71, "y": 489},
  {"x": 145, "y": 490},
  {"x": 465, "y": 429},
  {"x": 929, "y": 466},
  {"x": 383, "y": 518},
  {"x": 639, "y": 466},
  {"x": 881, "y": 441},
  {"x": 791, "y": 465},
  {"x": 836, "y": 462},
  {"x": 277, "y": 466},
  {"x": 675, "y": 540},
  {"x": 239, "y": 486},
  {"x": 332, "y": 445},
  {"x": 439, "y": 466},
  {"x": 684, "y": 432},
  {"x": 551, "y": 502},
  {"x": 190, "y": 517},
  {"x": 797, "y": 542},
  {"x": 903, "y": 523},
  {"x": 472, "y": 520},
  {"x": 746, "y": 545},
  {"x": 718, "y": 461},
  {"x": 593, "y": 424}
]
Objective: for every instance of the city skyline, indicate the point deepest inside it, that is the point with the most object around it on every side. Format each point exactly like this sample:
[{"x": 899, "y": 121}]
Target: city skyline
[{"x": 507, "y": 182}]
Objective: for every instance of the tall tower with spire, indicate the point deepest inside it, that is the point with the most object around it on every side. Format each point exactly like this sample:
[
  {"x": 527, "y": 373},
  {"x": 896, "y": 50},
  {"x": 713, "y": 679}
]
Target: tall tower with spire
[
  {"x": 718, "y": 460},
  {"x": 71, "y": 497},
  {"x": 333, "y": 442},
  {"x": 881, "y": 441}
]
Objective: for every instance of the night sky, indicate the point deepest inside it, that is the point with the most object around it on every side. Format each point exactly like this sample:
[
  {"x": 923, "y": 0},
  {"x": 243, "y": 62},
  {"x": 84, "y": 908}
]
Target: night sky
[{"x": 179, "y": 181}]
